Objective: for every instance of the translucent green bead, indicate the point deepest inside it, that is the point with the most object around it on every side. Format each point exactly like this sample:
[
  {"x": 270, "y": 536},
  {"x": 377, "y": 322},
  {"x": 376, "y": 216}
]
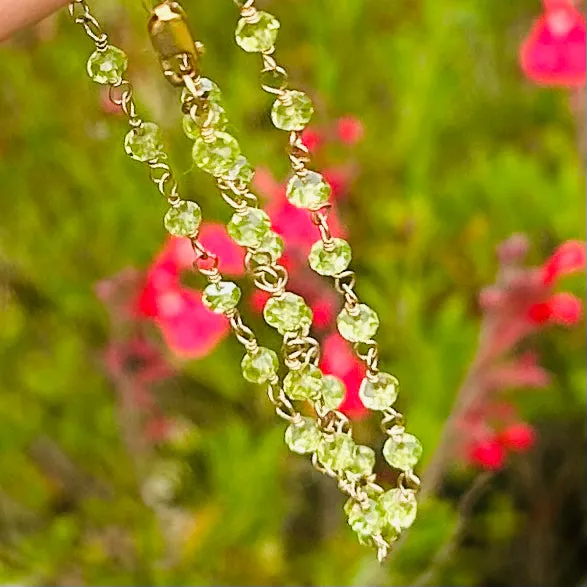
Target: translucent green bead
[
  {"x": 144, "y": 143},
  {"x": 260, "y": 366},
  {"x": 242, "y": 171},
  {"x": 222, "y": 296},
  {"x": 183, "y": 219},
  {"x": 333, "y": 392},
  {"x": 330, "y": 260},
  {"x": 363, "y": 461},
  {"x": 273, "y": 245},
  {"x": 249, "y": 228},
  {"x": 400, "y": 507},
  {"x": 402, "y": 451},
  {"x": 309, "y": 190},
  {"x": 292, "y": 111},
  {"x": 303, "y": 437},
  {"x": 214, "y": 116},
  {"x": 259, "y": 36},
  {"x": 287, "y": 313},
  {"x": 379, "y": 392},
  {"x": 209, "y": 92},
  {"x": 108, "y": 66},
  {"x": 365, "y": 519},
  {"x": 337, "y": 452},
  {"x": 304, "y": 384},
  {"x": 359, "y": 326},
  {"x": 217, "y": 156}
]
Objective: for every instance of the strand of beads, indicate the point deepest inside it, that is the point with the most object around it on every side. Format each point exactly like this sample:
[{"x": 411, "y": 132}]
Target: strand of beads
[
  {"x": 329, "y": 438},
  {"x": 292, "y": 110},
  {"x": 107, "y": 66}
]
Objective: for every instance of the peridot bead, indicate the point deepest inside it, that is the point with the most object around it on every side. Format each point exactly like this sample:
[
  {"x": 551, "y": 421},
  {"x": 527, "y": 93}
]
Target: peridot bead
[
  {"x": 337, "y": 452},
  {"x": 183, "y": 219},
  {"x": 402, "y": 451},
  {"x": 144, "y": 143},
  {"x": 400, "y": 507},
  {"x": 272, "y": 244},
  {"x": 309, "y": 190},
  {"x": 249, "y": 228},
  {"x": 242, "y": 171},
  {"x": 303, "y": 437},
  {"x": 379, "y": 392},
  {"x": 292, "y": 111},
  {"x": 258, "y": 36},
  {"x": 287, "y": 313},
  {"x": 333, "y": 392},
  {"x": 360, "y": 325},
  {"x": 303, "y": 384},
  {"x": 217, "y": 156},
  {"x": 222, "y": 296},
  {"x": 365, "y": 519},
  {"x": 330, "y": 260},
  {"x": 260, "y": 366},
  {"x": 107, "y": 66},
  {"x": 363, "y": 461},
  {"x": 213, "y": 116}
]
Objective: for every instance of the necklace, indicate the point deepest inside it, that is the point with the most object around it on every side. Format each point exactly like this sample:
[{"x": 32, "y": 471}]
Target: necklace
[{"x": 377, "y": 516}]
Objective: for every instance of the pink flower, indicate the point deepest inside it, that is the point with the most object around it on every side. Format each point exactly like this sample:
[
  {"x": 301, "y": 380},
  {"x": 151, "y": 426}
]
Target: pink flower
[
  {"x": 518, "y": 437},
  {"x": 231, "y": 257},
  {"x": 324, "y": 311},
  {"x": 488, "y": 454},
  {"x": 313, "y": 139},
  {"x": 339, "y": 359},
  {"x": 569, "y": 258},
  {"x": 350, "y": 130},
  {"x": 553, "y": 54}
]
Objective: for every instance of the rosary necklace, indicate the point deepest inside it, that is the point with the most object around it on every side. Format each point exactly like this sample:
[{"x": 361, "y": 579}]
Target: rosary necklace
[{"x": 376, "y": 515}]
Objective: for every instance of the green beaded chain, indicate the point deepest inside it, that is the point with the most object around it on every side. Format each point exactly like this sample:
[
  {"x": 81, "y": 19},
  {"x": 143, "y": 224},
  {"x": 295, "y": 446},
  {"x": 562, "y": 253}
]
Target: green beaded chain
[{"x": 356, "y": 322}]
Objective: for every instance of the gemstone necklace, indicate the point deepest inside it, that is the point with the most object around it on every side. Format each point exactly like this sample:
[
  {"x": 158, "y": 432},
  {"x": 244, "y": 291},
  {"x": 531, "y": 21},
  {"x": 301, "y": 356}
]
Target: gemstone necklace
[{"x": 376, "y": 515}]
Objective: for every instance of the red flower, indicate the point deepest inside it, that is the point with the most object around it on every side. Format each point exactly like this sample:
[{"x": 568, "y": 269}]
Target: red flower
[
  {"x": 488, "y": 454},
  {"x": 518, "y": 437},
  {"x": 312, "y": 138},
  {"x": 231, "y": 257},
  {"x": 569, "y": 258},
  {"x": 554, "y": 51},
  {"x": 324, "y": 311},
  {"x": 561, "y": 308},
  {"x": 350, "y": 130}
]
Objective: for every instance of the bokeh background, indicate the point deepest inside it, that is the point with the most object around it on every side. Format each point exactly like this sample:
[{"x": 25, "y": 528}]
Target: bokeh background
[{"x": 126, "y": 460}]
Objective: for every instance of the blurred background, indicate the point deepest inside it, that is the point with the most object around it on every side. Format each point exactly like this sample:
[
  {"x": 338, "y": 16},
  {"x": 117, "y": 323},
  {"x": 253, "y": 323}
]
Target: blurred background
[{"x": 131, "y": 450}]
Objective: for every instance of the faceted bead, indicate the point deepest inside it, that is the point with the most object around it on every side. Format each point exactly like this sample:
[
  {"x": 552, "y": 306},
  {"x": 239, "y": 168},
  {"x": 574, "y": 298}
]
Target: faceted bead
[
  {"x": 214, "y": 116},
  {"x": 273, "y": 245},
  {"x": 292, "y": 111},
  {"x": 333, "y": 392},
  {"x": 402, "y": 451},
  {"x": 145, "y": 142},
  {"x": 242, "y": 171},
  {"x": 380, "y": 392},
  {"x": 257, "y": 37},
  {"x": 108, "y": 66},
  {"x": 261, "y": 366},
  {"x": 222, "y": 296},
  {"x": 366, "y": 520},
  {"x": 209, "y": 92},
  {"x": 309, "y": 190},
  {"x": 363, "y": 461},
  {"x": 183, "y": 219},
  {"x": 249, "y": 229},
  {"x": 337, "y": 452},
  {"x": 400, "y": 507},
  {"x": 303, "y": 384},
  {"x": 218, "y": 156},
  {"x": 360, "y": 326},
  {"x": 303, "y": 437},
  {"x": 287, "y": 313},
  {"x": 330, "y": 260}
]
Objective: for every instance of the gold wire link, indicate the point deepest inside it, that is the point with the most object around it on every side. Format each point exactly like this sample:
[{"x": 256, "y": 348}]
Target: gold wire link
[
  {"x": 299, "y": 351},
  {"x": 80, "y": 13},
  {"x": 299, "y": 154},
  {"x": 162, "y": 176},
  {"x": 368, "y": 352}
]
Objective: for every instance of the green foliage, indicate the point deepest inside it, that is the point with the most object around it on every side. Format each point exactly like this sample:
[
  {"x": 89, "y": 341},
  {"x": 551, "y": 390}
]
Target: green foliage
[{"x": 459, "y": 153}]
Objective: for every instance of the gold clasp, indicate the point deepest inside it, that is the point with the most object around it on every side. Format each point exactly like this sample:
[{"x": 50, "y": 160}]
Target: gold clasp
[{"x": 173, "y": 41}]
